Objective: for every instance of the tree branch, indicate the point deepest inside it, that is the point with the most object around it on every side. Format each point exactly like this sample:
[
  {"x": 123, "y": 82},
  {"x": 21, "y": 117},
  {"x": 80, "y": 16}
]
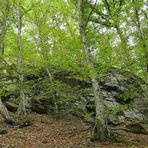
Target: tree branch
[
  {"x": 102, "y": 15},
  {"x": 107, "y": 6},
  {"x": 107, "y": 24},
  {"x": 6, "y": 63},
  {"x": 92, "y": 10},
  {"x": 144, "y": 13}
]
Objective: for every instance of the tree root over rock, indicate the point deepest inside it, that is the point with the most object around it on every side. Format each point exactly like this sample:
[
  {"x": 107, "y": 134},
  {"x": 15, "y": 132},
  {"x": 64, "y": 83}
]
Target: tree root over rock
[{"x": 133, "y": 128}]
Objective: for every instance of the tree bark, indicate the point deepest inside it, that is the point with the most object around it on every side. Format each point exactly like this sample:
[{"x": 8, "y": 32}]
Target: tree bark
[
  {"x": 53, "y": 92},
  {"x": 3, "y": 110},
  {"x": 124, "y": 44},
  {"x": 22, "y": 105},
  {"x": 45, "y": 56},
  {"x": 142, "y": 37},
  {"x": 101, "y": 132},
  {"x": 4, "y": 27},
  {"x": 5, "y": 114}
]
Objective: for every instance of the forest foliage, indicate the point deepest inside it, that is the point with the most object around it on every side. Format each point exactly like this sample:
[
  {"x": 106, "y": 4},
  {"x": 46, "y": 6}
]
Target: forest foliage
[
  {"x": 84, "y": 37},
  {"x": 50, "y": 35}
]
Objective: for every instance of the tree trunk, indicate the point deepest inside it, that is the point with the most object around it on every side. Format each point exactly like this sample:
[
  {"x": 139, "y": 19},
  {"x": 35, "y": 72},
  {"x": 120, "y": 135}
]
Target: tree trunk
[
  {"x": 124, "y": 44},
  {"x": 3, "y": 110},
  {"x": 45, "y": 56},
  {"x": 53, "y": 92},
  {"x": 142, "y": 37},
  {"x": 22, "y": 105},
  {"x": 5, "y": 114},
  {"x": 100, "y": 133},
  {"x": 4, "y": 27}
]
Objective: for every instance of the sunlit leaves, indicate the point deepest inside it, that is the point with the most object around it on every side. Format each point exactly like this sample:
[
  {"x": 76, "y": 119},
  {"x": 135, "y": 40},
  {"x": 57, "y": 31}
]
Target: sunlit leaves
[{"x": 50, "y": 34}]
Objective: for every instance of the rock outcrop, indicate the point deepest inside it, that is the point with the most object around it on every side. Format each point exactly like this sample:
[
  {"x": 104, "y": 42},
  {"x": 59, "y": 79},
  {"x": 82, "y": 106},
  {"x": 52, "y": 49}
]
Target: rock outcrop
[{"x": 125, "y": 96}]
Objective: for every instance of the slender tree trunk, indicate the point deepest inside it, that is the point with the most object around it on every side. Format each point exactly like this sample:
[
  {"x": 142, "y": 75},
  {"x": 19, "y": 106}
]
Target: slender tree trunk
[
  {"x": 4, "y": 27},
  {"x": 22, "y": 105},
  {"x": 45, "y": 56},
  {"x": 123, "y": 38},
  {"x": 142, "y": 37},
  {"x": 3, "y": 110},
  {"x": 53, "y": 92},
  {"x": 124, "y": 44},
  {"x": 101, "y": 131}
]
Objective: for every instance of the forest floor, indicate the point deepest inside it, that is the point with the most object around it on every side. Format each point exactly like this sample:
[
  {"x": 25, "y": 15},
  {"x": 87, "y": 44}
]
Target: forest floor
[{"x": 65, "y": 132}]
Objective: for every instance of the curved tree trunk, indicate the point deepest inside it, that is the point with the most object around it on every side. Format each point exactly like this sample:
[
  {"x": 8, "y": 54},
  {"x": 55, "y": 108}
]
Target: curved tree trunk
[
  {"x": 5, "y": 114},
  {"x": 3, "y": 29}
]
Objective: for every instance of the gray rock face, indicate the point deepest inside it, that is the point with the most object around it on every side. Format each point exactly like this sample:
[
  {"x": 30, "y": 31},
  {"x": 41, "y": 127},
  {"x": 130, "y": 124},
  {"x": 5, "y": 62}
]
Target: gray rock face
[{"x": 125, "y": 96}]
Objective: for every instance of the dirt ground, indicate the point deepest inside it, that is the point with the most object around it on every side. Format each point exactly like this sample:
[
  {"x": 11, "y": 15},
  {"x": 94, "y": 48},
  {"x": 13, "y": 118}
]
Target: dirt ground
[{"x": 65, "y": 132}]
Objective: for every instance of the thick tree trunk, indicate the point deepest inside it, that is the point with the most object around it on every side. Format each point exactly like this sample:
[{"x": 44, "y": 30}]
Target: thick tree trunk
[{"x": 101, "y": 132}]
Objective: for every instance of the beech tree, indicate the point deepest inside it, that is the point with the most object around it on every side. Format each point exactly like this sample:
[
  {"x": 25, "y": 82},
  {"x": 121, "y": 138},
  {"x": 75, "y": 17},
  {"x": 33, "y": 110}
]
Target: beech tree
[
  {"x": 142, "y": 37},
  {"x": 101, "y": 132},
  {"x": 21, "y": 109},
  {"x": 5, "y": 10}
]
